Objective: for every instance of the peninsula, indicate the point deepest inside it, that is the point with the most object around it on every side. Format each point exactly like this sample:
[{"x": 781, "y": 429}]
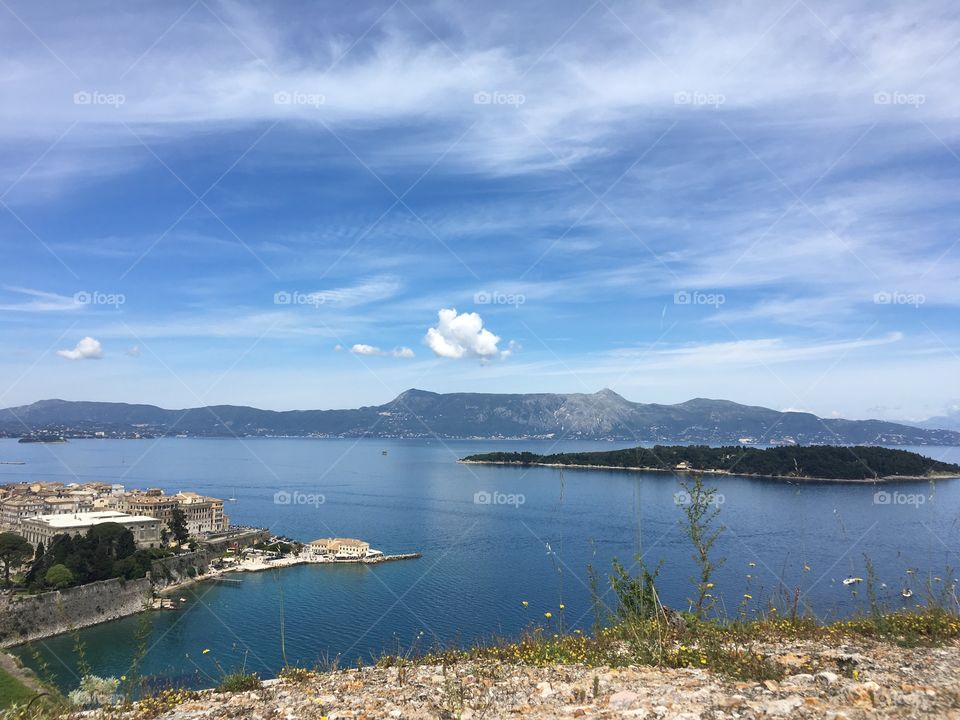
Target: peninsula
[{"x": 839, "y": 464}]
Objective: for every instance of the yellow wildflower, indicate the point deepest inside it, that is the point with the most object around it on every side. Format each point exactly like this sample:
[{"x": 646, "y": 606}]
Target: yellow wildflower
[{"x": 548, "y": 615}]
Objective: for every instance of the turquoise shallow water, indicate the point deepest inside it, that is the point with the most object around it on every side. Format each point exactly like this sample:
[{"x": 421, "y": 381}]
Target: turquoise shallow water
[{"x": 479, "y": 560}]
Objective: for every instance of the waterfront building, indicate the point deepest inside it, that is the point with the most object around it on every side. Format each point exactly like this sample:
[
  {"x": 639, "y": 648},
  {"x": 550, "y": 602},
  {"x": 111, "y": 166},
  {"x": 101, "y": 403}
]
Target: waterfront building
[
  {"x": 342, "y": 548},
  {"x": 204, "y": 514},
  {"x": 43, "y": 528}
]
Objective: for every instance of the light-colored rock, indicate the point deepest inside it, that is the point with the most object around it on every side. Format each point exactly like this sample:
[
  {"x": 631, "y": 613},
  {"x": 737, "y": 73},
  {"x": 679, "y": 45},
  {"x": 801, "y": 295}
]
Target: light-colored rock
[
  {"x": 781, "y": 708},
  {"x": 827, "y": 678},
  {"x": 623, "y": 699}
]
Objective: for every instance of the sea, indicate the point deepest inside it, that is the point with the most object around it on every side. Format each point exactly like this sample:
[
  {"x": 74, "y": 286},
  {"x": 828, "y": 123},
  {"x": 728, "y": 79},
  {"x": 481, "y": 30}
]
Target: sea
[{"x": 502, "y": 547}]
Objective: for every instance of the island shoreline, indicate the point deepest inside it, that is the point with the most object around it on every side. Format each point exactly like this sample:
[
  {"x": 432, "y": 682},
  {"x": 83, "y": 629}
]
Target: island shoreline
[{"x": 690, "y": 471}]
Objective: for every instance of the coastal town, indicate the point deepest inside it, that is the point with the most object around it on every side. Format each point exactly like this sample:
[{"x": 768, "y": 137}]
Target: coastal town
[
  {"x": 58, "y": 538},
  {"x": 39, "y": 511}
]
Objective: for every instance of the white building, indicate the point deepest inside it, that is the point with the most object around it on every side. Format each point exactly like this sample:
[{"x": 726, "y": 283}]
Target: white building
[
  {"x": 42, "y": 529},
  {"x": 342, "y": 548}
]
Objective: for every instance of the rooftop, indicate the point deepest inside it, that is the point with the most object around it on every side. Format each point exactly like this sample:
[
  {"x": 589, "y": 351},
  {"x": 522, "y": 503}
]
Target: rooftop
[
  {"x": 342, "y": 541},
  {"x": 91, "y": 518}
]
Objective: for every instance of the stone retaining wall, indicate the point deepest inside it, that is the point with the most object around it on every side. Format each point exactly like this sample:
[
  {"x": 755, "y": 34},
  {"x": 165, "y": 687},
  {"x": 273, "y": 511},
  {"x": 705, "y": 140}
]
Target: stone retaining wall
[{"x": 31, "y": 617}]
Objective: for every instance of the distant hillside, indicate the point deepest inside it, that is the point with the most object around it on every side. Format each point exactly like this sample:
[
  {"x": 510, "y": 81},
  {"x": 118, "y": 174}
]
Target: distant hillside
[
  {"x": 825, "y": 463},
  {"x": 950, "y": 421},
  {"x": 417, "y": 413}
]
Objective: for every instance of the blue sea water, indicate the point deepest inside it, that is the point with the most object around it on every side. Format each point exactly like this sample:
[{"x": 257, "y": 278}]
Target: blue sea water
[{"x": 480, "y": 560}]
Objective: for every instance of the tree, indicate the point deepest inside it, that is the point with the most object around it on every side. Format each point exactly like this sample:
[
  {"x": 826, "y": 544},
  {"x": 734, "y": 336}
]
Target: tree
[
  {"x": 59, "y": 576},
  {"x": 126, "y": 545},
  {"x": 178, "y": 526},
  {"x": 14, "y": 551}
]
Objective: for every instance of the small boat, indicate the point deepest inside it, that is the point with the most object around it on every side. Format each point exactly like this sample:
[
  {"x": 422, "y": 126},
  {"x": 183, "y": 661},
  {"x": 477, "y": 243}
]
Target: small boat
[
  {"x": 907, "y": 593},
  {"x": 853, "y": 580},
  {"x": 383, "y": 452},
  {"x": 231, "y": 499}
]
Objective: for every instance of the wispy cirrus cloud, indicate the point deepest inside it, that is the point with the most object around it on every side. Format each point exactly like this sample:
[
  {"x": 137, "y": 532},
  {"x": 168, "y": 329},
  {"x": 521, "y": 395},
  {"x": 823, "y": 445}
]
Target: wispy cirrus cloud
[{"x": 40, "y": 302}]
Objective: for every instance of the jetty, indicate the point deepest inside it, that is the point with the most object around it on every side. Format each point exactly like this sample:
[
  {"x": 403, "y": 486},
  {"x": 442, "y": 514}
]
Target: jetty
[{"x": 390, "y": 558}]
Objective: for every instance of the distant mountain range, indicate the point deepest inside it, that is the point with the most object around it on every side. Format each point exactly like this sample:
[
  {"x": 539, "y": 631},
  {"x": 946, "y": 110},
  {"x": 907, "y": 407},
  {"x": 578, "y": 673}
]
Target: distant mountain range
[
  {"x": 418, "y": 413},
  {"x": 950, "y": 421}
]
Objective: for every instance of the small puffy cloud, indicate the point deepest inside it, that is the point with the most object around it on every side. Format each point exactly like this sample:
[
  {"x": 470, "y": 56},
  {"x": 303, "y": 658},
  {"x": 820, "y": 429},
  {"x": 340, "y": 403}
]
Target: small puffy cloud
[
  {"x": 462, "y": 335},
  {"x": 86, "y": 349},
  {"x": 134, "y": 351},
  {"x": 398, "y": 352}
]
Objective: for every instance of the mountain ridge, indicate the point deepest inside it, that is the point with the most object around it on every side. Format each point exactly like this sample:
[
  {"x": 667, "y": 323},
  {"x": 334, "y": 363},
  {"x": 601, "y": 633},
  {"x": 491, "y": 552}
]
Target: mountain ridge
[{"x": 422, "y": 413}]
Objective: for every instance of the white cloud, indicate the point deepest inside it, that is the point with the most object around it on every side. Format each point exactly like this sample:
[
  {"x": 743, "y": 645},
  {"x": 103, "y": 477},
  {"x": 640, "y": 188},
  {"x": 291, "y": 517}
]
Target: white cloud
[
  {"x": 361, "y": 293},
  {"x": 134, "y": 351},
  {"x": 461, "y": 335},
  {"x": 86, "y": 349},
  {"x": 41, "y": 302},
  {"x": 364, "y": 349}
]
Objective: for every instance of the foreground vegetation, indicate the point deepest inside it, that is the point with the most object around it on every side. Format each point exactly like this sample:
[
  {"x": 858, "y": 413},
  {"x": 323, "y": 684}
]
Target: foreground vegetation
[
  {"x": 821, "y": 461},
  {"x": 12, "y": 691}
]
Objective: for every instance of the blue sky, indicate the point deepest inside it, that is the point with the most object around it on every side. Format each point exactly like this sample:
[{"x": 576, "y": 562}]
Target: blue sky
[{"x": 321, "y": 205}]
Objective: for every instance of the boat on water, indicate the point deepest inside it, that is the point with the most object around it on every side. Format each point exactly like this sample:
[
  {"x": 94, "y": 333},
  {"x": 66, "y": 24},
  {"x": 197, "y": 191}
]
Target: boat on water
[
  {"x": 906, "y": 593},
  {"x": 13, "y": 462},
  {"x": 852, "y": 580}
]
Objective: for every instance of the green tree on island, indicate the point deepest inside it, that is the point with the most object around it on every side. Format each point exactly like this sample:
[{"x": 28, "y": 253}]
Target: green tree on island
[
  {"x": 178, "y": 526},
  {"x": 14, "y": 551}
]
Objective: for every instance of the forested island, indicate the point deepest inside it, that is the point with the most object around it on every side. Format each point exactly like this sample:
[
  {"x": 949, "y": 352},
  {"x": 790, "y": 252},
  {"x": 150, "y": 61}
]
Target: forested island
[{"x": 856, "y": 463}]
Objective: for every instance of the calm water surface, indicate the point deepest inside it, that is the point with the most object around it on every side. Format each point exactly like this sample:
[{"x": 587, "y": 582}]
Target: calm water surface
[{"x": 479, "y": 560}]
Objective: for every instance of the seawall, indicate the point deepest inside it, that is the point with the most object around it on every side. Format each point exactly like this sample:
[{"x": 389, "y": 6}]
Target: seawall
[
  {"x": 32, "y": 617},
  {"x": 179, "y": 569}
]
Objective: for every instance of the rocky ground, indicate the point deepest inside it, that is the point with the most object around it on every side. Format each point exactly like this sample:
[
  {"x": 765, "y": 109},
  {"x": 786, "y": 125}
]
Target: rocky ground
[{"x": 860, "y": 680}]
